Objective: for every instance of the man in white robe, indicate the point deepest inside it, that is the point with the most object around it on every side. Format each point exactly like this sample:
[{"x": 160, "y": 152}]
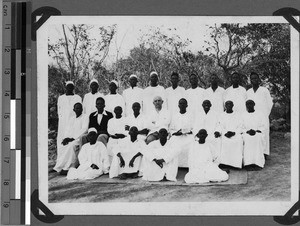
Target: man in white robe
[
  {"x": 132, "y": 94},
  {"x": 181, "y": 131},
  {"x": 174, "y": 94},
  {"x": 89, "y": 99},
  {"x": 158, "y": 118},
  {"x": 237, "y": 94},
  {"x": 116, "y": 131},
  {"x": 215, "y": 94},
  {"x": 202, "y": 169},
  {"x": 160, "y": 159},
  {"x": 68, "y": 146},
  {"x": 263, "y": 103},
  {"x": 209, "y": 120},
  {"x": 138, "y": 120},
  {"x": 152, "y": 91},
  {"x": 127, "y": 157},
  {"x": 194, "y": 96},
  {"x": 113, "y": 99},
  {"x": 254, "y": 143},
  {"x": 232, "y": 142},
  {"x": 93, "y": 159},
  {"x": 65, "y": 104}
]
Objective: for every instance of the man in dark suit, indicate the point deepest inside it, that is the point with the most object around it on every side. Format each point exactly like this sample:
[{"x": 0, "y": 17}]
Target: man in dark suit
[{"x": 99, "y": 120}]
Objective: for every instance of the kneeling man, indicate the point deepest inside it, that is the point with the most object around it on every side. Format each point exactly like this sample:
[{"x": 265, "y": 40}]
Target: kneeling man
[
  {"x": 160, "y": 159},
  {"x": 127, "y": 157},
  {"x": 202, "y": 169}
]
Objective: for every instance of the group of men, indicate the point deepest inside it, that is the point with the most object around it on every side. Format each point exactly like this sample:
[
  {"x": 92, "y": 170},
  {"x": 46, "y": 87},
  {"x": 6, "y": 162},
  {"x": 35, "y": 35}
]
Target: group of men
[{"x": 151, "y": 132}]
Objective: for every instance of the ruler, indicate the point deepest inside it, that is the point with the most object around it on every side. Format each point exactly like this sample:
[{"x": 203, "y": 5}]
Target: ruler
[{"x": 13, "y": 111}]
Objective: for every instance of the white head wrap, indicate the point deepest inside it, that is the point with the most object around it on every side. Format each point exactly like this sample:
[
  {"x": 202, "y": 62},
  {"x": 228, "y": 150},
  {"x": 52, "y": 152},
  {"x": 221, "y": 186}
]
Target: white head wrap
[
  {"x": 92, "y": 130},
  {"x": 153, "y": 73},
  {"x": 114, "y": 81},
  {"x": 94, "y": 80},
  {"x": 69, "y": 82},
  {"x": 133, "y": 76}
]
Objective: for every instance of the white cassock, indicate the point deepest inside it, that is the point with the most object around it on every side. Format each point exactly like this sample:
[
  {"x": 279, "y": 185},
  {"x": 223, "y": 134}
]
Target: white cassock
[
  {"x": 263, "y": 103},
  {"x": 215, "y": 98},
  {"x": 89, "y": 102},
  {"x": 148, "y": 95},
  {"x": 210, "y": 122},
  {"x": 158, "y": 120},
  {"x": 202, "y": 169},
  {"x": 140, "y": 122},
  {"x": 254, "y": 145},
  {"x": 66, "y": 155},
  {"x": 194, "y": 98},
  {"x": 173, "y": 96},
  {"x": 112, "y": 101},
  {"x": 238, "y": 97},
  {"x": 231, "y": 148},
  {"x": 154, "y": 150},
  {"x": 115, "y": 126},
  {"x": 128, "y": 150},
  {"x": 132, "y": 95},
  {"x": 65, "y": 106},
  {"x": 183, "y": 142},
  {"x": 88, "y": 155}
]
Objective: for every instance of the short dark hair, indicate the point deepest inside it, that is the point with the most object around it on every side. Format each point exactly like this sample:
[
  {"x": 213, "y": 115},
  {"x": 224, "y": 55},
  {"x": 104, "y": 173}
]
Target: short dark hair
[{"x": 100, "y": 98}]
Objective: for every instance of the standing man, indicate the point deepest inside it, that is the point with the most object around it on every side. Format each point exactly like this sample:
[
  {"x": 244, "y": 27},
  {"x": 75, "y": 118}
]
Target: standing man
[
  {"x": 215, "y": 94},
  {"x": 132, "y": 94},
  {"x": 237, "y": 94},
  {"x": 89, "y": 100},
  {"x": 65, "y": 104},
  {"x": 263, "y": 103},
  {"x": 152, "y": 91},
  {"x": 113, "y": 99},
  {"x": 174, "y": 94},
  {"x": 194, "y": 96}
]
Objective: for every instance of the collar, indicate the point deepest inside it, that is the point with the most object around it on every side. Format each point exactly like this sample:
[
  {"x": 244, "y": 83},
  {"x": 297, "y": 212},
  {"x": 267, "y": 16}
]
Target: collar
[{"x": 104, "y": 113}]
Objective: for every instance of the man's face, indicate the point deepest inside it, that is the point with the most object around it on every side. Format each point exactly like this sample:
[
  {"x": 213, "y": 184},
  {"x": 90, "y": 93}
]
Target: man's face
[
  {"x": 100, "y": 104},
  {"x": 174, "y": 80},
  {"x": 77, "y": 109},
  {"x": 136, "y": 107},
  {"x": 250, "y": 105},
  {"x": 182, "y": 104},
  {"x": 158, "y": 102},
  {"x": 118, "y": 111},
  {"x": 254, "y": 79},
  {"x": 193, "y": 80},
  {"x": 163, "y": 134},
  {"x": 202, "y": 134},
  {"x": 229, "y": 105},
  {"x": 235, "y": 79},
  {"x": 94, "y": 87},
  {"x": 213, "y": 79},
  {"x": 69, "y": 88},
  {"x": 92, "y": 137},
  {"x": 133, "y": 81},
  {"x": 112, "y": 87},
  {"x": 154, "y": 79},
  {"x": 133, "y": 132},
  {"x": 206, "y": 105}
]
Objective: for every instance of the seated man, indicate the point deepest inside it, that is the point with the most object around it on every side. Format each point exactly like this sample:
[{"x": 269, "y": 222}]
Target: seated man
[
  {"x": 254, "y": 142},
  {"x": 201, "y": 166},
  {"x": 93, "y": 159},
  {"x": 181, "y": 131},
  {"x": 209, "y": 120},
  {"x": 232, "y": 142},
  {"x": 160, "y": 159},
  {"x": 158, "y": 118},
  {"x": 67, "y": 149},
  {"x": 127, "y": 156},
  {"x": 138, "y": 120},
  {"x": 116, "y": 131}
]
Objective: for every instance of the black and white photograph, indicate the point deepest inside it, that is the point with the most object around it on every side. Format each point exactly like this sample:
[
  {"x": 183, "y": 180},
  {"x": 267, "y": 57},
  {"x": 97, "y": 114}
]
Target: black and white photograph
[{"x": 168, "y": 115}]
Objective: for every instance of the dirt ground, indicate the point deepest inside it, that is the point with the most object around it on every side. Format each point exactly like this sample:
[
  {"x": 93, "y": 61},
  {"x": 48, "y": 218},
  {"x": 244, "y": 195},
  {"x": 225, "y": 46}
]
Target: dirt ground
[{"x": 272, "y": 183}]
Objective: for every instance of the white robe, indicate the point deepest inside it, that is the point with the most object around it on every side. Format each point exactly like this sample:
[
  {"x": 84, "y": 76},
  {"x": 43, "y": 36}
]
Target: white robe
[
  {"x": 148, "y": 95},
  {"x": 195, "y": 99},
  {"x": 210, "y": 122},
  {"x": 65, "y": 106},
  {"x": 238, "y": 97},
  {"x": 231, "y": 148},
  {"x": 263, "y": 103},
  {"x": 254, "y": 146},
  {"x": 215, "y": 98},
  {"x": 128, "y": 150},
  {"x": 158, "y": 120},
  {"x": 183, "y": 142},
  {"x": 89, "y": 102},
  {"x": 140, "y": 122},
  {"x": 201, "y": 166},
  {"x": 154, "y": 150},
  {"x": 66, "y": 155},
  {"x": 88, "y": 155},
  {"x": 132, "y": 95},
  {"x": 173, "y": 97},
  {"x": 112, "y": 101}
]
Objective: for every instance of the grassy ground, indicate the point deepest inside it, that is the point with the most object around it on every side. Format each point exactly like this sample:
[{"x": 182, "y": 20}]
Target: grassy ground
[{"x": 270, "y": 184}]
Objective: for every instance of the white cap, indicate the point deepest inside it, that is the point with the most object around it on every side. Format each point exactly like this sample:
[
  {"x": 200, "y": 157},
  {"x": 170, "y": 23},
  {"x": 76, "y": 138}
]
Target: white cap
[
  {"x": 92, "y": 130},
  {"x": 114, "y": 81},
  {"x": 69, "y": 82},
  {"x": 94, "y": 80},
  {"x": 153, "y": 73},
  {"x": 133, "y": 76}
]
